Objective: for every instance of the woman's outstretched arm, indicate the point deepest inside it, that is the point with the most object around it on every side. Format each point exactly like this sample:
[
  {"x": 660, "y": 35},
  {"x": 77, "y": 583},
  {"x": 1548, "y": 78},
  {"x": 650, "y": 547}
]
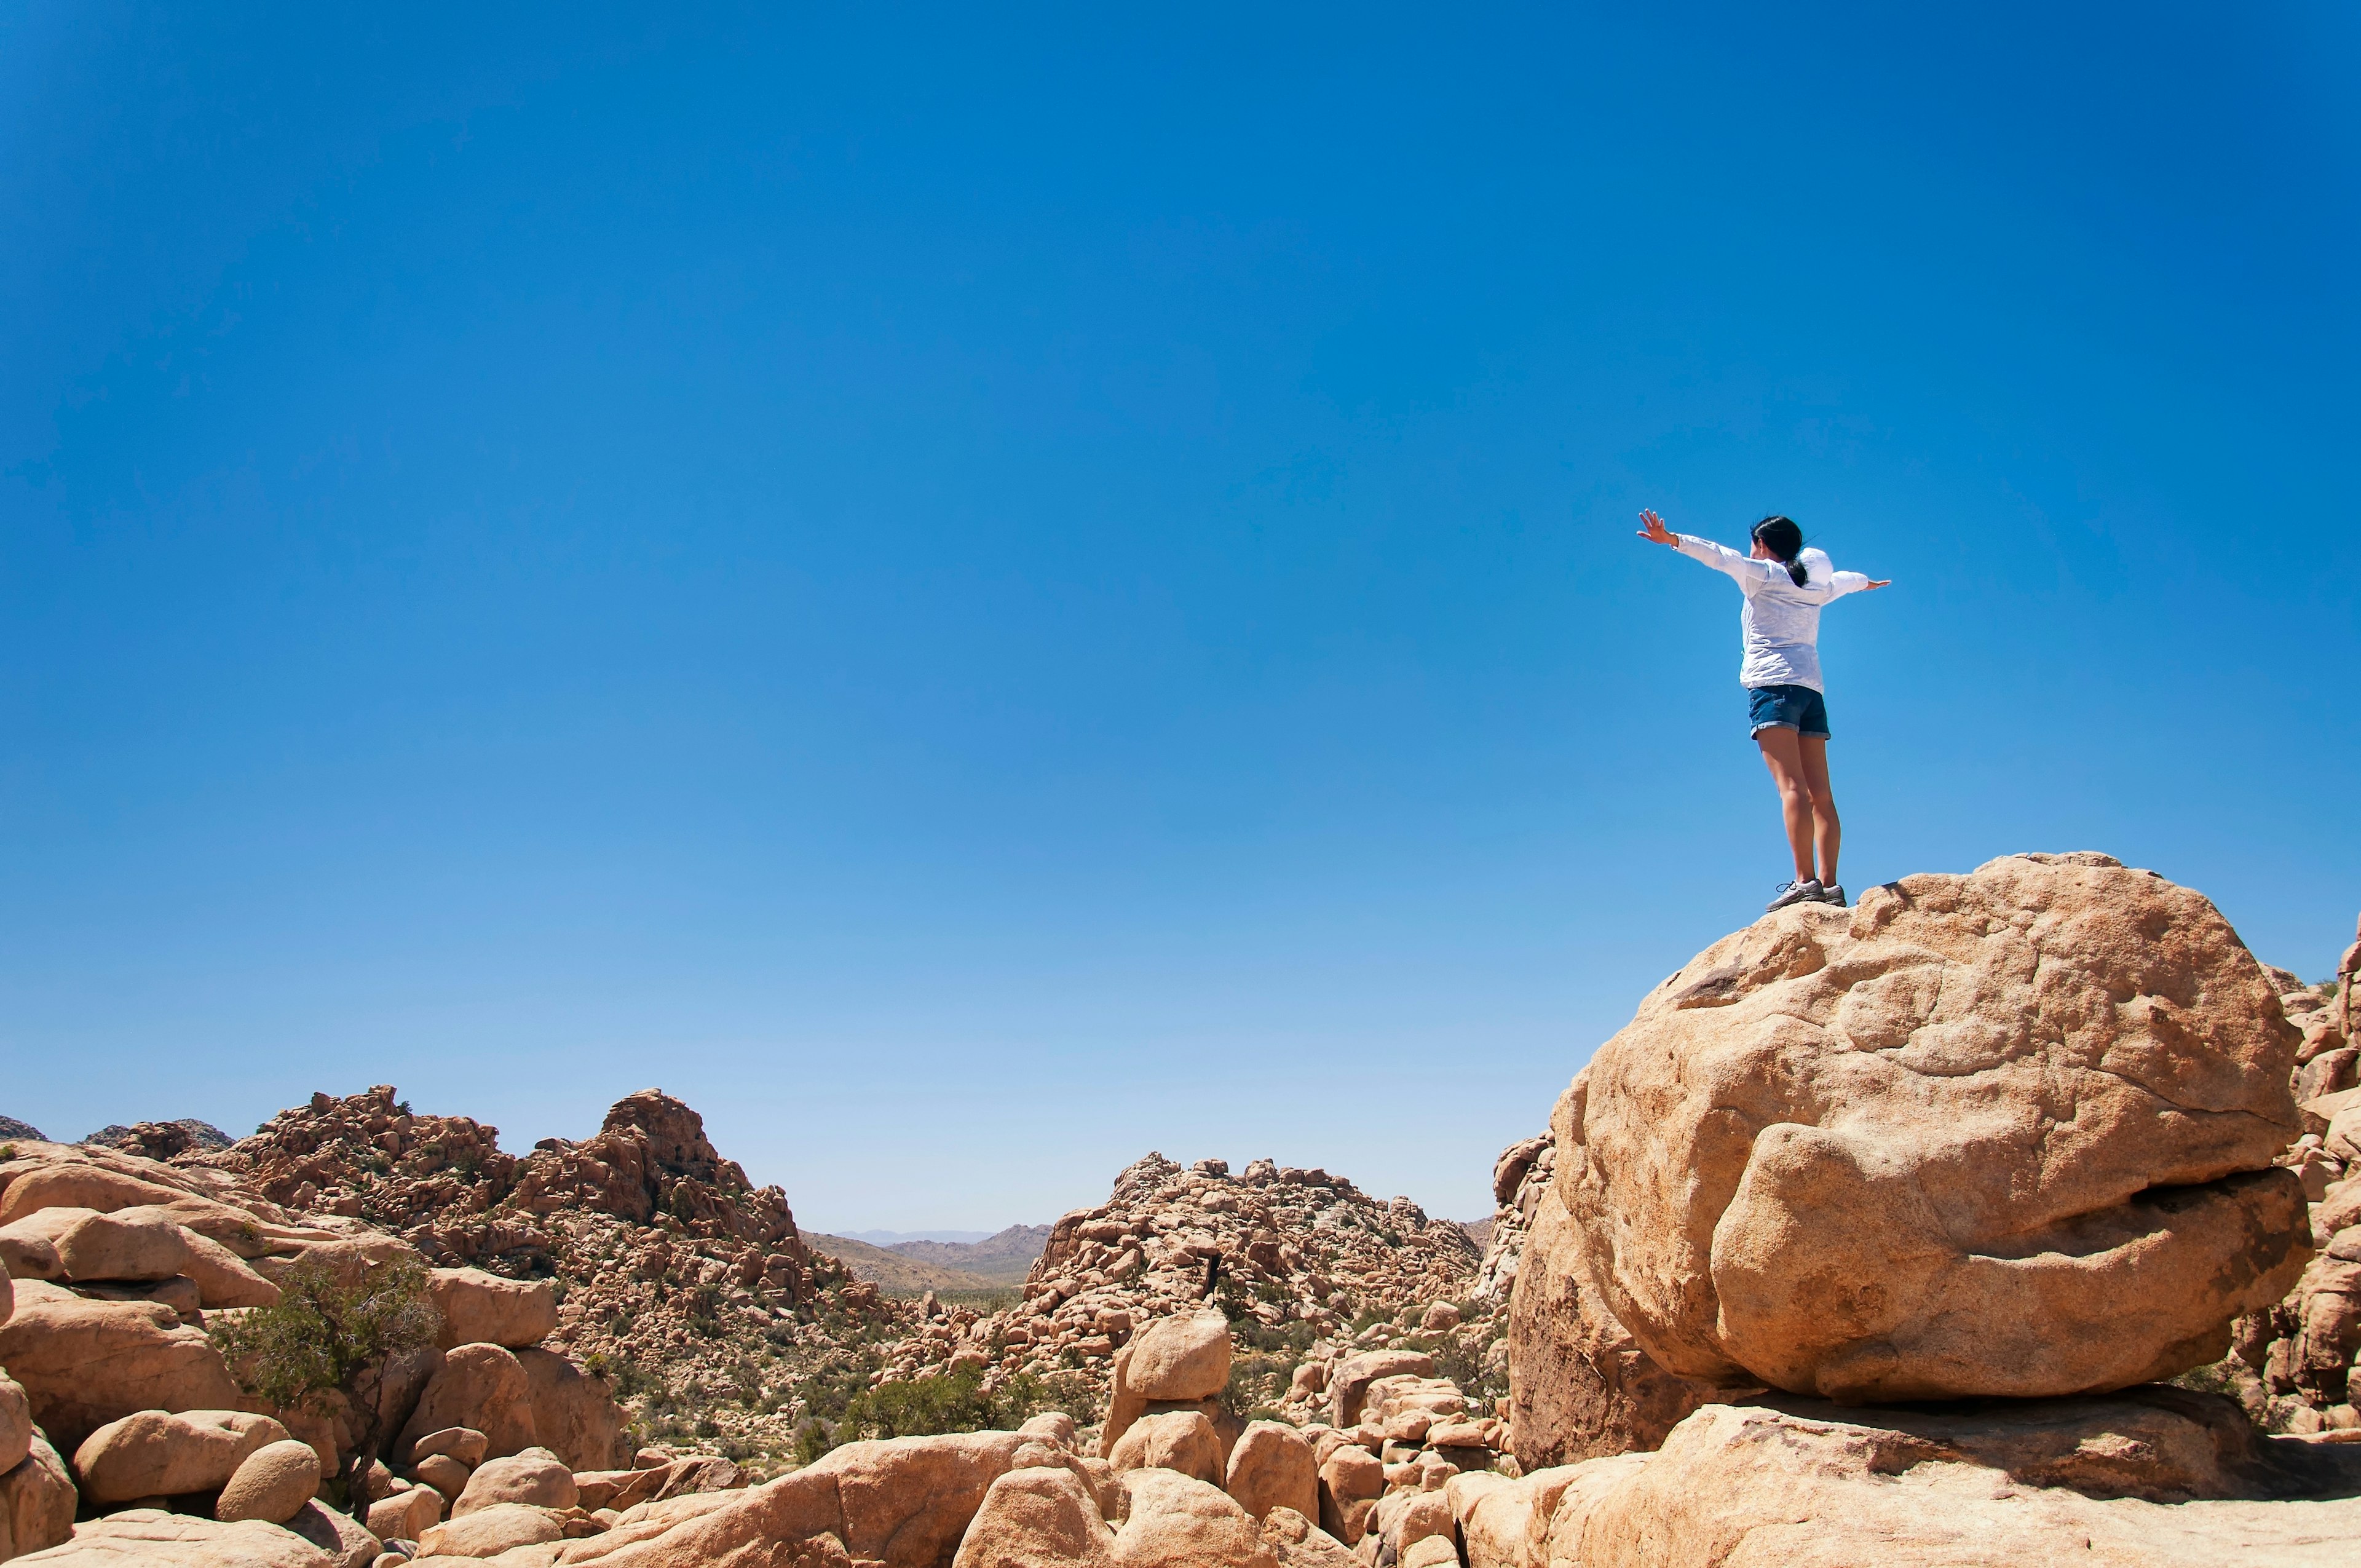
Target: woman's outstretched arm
[{"x": 1720, "y": 558}]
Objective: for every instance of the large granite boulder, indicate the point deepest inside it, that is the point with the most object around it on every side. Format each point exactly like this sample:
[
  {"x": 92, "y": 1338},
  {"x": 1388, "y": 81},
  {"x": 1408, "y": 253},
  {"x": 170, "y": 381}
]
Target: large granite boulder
[
  {"x": 2003, "y": 1133},
  {"x": 2157, "y": 1478}
]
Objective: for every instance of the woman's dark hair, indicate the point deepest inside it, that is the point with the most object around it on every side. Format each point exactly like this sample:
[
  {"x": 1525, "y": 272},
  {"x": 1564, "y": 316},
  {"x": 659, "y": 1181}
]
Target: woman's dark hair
[{"x": 1784, "y": 539}]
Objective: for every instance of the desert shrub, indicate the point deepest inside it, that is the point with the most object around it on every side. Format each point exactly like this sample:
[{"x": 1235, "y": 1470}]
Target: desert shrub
[
  {"x": 952, "y": 1401},
  {"x": 324, "y": 1337}
]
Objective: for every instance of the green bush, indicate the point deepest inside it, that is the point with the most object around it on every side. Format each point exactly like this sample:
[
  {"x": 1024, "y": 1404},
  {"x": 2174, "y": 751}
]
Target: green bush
[
  {"x": 953, "y": 1401},
  {"x": 324, "y": 1337}
]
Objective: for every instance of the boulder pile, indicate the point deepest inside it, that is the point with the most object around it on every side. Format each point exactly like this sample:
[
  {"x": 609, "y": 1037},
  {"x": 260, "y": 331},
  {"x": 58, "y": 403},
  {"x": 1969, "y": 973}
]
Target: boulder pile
[
  {"x": 1302, "y": 1261},
  {"x": 117, "y": 1404},
  {"x": 669, "y": 1267}
]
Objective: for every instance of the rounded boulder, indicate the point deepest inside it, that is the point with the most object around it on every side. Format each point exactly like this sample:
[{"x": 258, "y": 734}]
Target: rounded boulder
[
  {"x": 479, "y": 1308},
  {"x": 155, "y": 1454},
  {"x": 1183, "y": 1440},
  {"x": 535, "y": 1476},
  {"x": 1186, "y": 1356},
  {"x": 2002, "y": 1134},
  {"x": 273, "y": 1484},
  {"x": 1272, "y": 1468}
]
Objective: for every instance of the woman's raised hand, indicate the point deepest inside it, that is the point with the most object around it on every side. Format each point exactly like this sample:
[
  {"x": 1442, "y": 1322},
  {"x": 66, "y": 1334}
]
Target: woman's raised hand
[
  {"x": 1878, "y": 583},
  {"x": 1653, "y": 528}
]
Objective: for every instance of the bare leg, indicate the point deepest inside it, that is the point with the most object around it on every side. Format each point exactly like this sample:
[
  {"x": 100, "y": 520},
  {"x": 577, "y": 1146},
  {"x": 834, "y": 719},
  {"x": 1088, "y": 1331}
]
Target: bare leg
[
  {"x": 1827, "y": 833},
  {"x": 1787, "y": 765}
]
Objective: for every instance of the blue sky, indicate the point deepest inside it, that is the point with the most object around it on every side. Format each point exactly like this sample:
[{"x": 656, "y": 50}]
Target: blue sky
[{"x": 978, "y": 595}]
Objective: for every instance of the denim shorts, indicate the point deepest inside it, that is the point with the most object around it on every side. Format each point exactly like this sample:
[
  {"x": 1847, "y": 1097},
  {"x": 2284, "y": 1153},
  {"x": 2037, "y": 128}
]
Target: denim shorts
[{"x": 1799, "y": 708}]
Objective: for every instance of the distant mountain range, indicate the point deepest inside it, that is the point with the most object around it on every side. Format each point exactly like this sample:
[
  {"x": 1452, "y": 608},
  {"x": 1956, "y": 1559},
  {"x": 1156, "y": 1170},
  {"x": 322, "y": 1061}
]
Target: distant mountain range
[
  {"x": 894, "y": 1238},
  {"x": 924, "y": 1264}
]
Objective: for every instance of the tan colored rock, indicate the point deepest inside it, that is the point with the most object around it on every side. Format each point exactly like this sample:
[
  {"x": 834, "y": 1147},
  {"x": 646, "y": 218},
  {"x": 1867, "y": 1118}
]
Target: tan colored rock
[
  {"x": 479, "y": 1308},
  {"x": 15, "y": 1424},
  {"x": 135, "y": 1243},
  {"x": 1297, "y": 1543},
  {"x": 347, "y": 1542},
  {"x": 463, "y": 1443},
  {"x": 2009, "y": 1133},
  {"x": 1271, "y": 1467},
  {"x": 1180, "y": 1440},
  {"x": 28, "y": 1254},
  {"x": 1579, "y": 1385},
  {"x": 1176, "y": 1521},
  {"x": 85, "y": 1363},
  {"x": 1186, "y": 1356},
  {"x": 1351, "y": 1481},
  {"x": 79, "y": 1185},
  {"x": 484, "y": 1389},
  {"x": 273, "y": 1484},
  {"x": 906, "y": 1502},
  {"x": 1407, "y": 1517},
  {"x": 157, "y": 1453},
  {"x": 535, "y": 1476},
  {"x": 1053, "y": 1426},
  {"x": 224, "y": 1278},
  {"x": 574, "y": 1414},
  {"x": 1430, "y": 1552},
  {"x": 490, "y": 1531},
  {"x": 152, "y": 1538},
  {"x": 443, "y": 1472},
  {"x": 2160, "y": 1479},
  {"x": 406, "y": 1515},
  {"x": 37, "y": 1502},
  {"x": 1038, "y": 1518},
  {"x": 1348, "y": 1382}
]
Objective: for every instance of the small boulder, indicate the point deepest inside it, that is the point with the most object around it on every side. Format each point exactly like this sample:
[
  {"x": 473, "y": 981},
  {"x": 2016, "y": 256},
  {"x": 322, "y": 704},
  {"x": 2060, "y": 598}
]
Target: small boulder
[
  {"x": 157, "y": 1453},
  {"x": 1182, "y": 1441},
  {"x": 443, "y": 1472},
  {"x": 479, "y": 1308},
  {"x": 1186, "y": 1356},
  {"x": 406, "y": 1515},
  {"x": 15, "y": 1424},
  {"x": 37, "y": 1502},
  {"x": 1351, "y": 1481},
  {"x": 462, "y": 1443},
  {"x": 536, "y": 1476},
  {"x": 1430, "y": 1552},
  {"x": 24, "y": 1255},
  {"x": 1438, "y": 1317},
  {"x": 490, "y": 1531},
  {"x": 1349, "y": 1380},
  {"x": 133, "y": 1245},
  {"x": 1175, "y": 1521},
  {"x": 1037, "y": 1517},
  {"x": 1270, "y": 1467},
  {"x": 273, "y": 1484},
  {"x": 222, "y": 1278},
  {"x": 348, "y": 1543}
]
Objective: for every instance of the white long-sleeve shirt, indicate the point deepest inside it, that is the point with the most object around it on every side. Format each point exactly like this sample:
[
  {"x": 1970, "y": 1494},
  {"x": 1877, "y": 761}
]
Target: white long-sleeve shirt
[{"x": 1779, "y": 624}]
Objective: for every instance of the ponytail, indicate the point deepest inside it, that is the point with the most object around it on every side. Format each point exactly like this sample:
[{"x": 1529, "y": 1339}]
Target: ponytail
[{"x": 1786, "y": 541}]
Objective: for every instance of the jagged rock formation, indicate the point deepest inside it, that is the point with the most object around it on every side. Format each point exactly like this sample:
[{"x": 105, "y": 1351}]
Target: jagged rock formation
[
  {"x": 12, "y": 1128},
  {"x": 687, "y": 1283},
  {"x": 2291, "y": 1363},
  {"x": 1300, "y": 1258},
  {"x": 161, "y": 1140}
]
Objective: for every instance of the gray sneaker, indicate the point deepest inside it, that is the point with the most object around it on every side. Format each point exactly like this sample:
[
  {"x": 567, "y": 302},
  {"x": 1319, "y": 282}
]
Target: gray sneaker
[
  {"x": 1805, "y": 891},
  {"x": 1833, "y": 894}
]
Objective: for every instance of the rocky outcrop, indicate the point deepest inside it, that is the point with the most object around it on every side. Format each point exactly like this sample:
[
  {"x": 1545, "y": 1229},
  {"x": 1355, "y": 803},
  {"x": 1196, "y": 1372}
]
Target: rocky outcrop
[
  {"x": 2162, "y": 1478},
  {"x": 2010, "y": 1132},
  {"x": 657, "y": 1257},
  {"x": 1283, "y": 1248}
]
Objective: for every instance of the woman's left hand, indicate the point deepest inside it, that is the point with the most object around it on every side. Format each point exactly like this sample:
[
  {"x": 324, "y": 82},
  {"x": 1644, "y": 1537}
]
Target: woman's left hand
[
  {"x": 1878, "y": 583},
  {"x": 1651, "y": 528}
]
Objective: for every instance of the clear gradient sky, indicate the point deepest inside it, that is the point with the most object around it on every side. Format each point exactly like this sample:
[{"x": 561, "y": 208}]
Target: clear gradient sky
[{"x": 977, "y": 594}]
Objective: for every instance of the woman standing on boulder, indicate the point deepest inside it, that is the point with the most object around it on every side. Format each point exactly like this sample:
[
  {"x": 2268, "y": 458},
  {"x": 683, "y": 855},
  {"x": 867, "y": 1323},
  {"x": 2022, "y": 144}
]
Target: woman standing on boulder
[{"x": 1784, "y": 584}]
